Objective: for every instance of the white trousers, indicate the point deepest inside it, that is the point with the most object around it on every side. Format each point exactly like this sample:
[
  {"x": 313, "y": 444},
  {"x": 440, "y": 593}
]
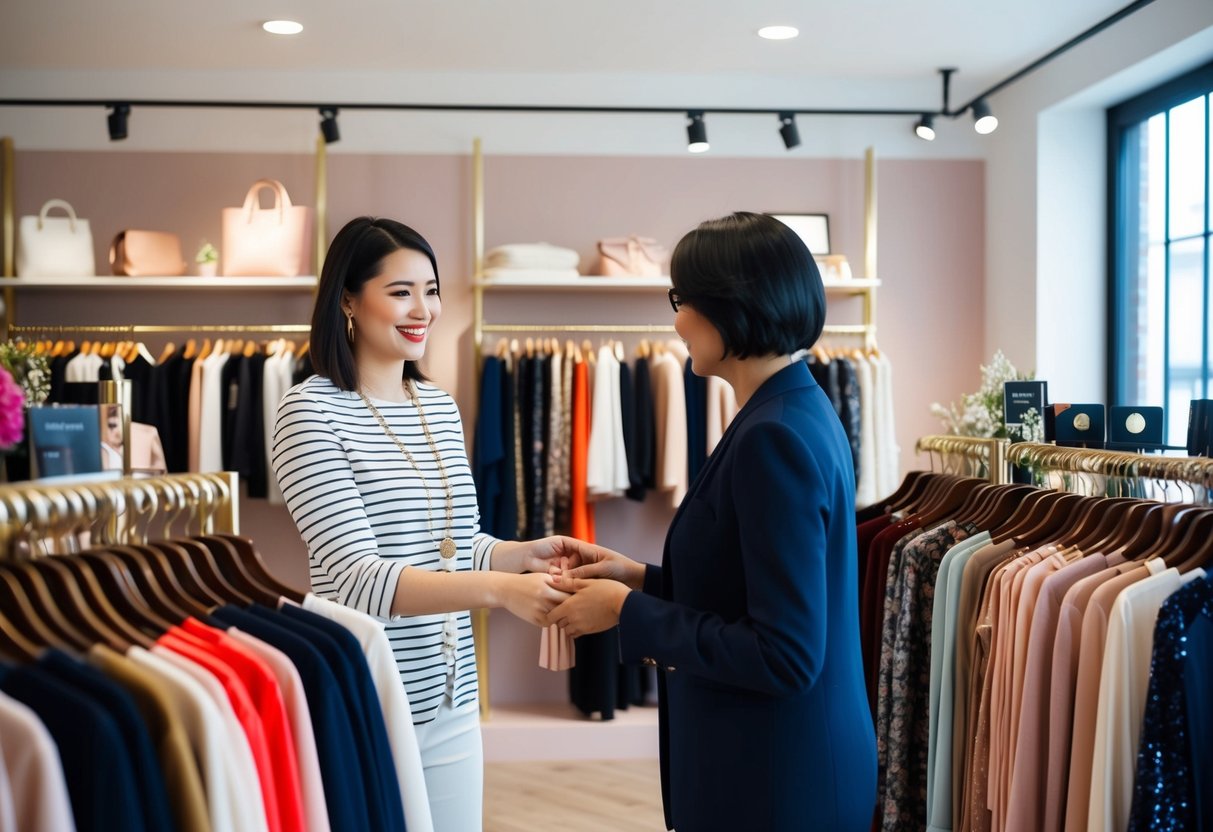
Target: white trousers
[{"x": 453, "y": 758}]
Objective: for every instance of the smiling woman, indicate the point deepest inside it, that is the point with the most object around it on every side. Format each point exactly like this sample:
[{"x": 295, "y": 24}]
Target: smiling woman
[{"x": 371, "y": 462}]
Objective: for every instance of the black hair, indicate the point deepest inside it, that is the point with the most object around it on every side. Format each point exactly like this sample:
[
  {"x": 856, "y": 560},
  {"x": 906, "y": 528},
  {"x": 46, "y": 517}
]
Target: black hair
[
  {"x": 355, "y": 256},
  {"x": 754, "y": 279}
]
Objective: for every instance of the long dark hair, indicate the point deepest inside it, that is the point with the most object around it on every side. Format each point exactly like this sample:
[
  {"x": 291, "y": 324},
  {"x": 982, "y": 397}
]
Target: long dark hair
[{"x": 355, "y": 257}]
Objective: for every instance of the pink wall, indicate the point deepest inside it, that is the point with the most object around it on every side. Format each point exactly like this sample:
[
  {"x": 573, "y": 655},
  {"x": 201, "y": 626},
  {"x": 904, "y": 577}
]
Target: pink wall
[{"x": 930, "y": 258}]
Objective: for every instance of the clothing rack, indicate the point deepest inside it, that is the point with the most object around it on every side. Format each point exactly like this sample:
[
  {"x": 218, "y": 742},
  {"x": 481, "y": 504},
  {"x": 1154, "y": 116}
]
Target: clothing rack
[
  {"x": 988, "y": 453},
  {"x": 1118, "y": 464},
  {"x": 124, "y": 505},
  {"x": 147, "y": 329}
]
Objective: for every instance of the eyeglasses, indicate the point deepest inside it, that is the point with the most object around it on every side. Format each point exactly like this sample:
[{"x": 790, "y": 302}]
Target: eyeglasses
[{"x": 676, "y": 300}]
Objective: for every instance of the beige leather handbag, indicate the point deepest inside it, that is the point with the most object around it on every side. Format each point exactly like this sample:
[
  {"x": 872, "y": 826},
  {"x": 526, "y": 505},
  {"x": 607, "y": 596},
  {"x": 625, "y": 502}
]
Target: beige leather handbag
[
  {"x": 137, "y": 253},
  {"x": 266, "y": 242}
]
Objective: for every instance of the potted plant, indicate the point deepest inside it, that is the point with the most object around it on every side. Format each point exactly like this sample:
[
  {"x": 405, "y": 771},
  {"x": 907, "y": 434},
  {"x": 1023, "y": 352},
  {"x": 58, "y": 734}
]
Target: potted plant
[{"x": 207, "y": 260}]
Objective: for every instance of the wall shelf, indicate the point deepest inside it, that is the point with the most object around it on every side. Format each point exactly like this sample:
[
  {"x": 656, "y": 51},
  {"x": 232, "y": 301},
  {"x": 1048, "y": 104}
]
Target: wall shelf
[
  {"x": 296, "y": 284},
  {"x": 524, "y": 281}
]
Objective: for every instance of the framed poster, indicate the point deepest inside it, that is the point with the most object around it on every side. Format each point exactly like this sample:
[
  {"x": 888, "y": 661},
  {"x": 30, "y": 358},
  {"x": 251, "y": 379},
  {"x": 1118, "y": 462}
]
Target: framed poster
[{"x": 814, "y": 229}]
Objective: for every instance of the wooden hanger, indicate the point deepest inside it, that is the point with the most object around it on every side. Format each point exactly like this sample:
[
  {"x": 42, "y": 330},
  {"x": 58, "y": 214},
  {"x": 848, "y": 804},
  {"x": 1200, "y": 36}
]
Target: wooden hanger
[
  {"x": 950, "y": 500},
  {"x": 1007, "y": 500},
  {"x": 912, "y": 491},
  {"x": 587, "y": 349},
  {"x": 1196, "y": 548},
  {"x": 1164, "y": 532},
  {"x": 31, "y": 619},
  {"x": 1030, "y": 512},
  {"x": 15, "y": 646},
  {"x": 1099, "y": 523},
  {"x": 903, "y": 489},
  {"x": 128, "y": 604},
  {"x": 1043, "y": 521}
]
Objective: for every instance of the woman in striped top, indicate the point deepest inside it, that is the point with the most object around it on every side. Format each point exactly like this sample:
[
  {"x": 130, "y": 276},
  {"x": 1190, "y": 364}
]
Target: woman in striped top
[{"x": 371, "y": 461}]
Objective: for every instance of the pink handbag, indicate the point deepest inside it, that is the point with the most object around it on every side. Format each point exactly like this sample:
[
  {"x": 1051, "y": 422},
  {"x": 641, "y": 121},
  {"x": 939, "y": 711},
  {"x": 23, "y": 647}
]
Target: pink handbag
[
  {"x": 269, "y": 242},
  {"x": 632, "y": 257}
]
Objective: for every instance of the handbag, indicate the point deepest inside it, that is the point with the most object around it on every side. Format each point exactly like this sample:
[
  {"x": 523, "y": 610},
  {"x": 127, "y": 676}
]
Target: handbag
[
  {"x": 632, "y": 257},
  {"x": 55, "y": 246},
  {"x": 270, "y": 242},
  {"x": 142, "y": 253}
]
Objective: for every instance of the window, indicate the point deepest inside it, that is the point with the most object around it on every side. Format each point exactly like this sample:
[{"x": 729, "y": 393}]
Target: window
[{"x": 1161, "y": 311}]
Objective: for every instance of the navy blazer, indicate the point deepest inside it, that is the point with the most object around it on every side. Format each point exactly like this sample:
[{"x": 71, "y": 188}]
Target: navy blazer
[{"x": 753, "y": 616}]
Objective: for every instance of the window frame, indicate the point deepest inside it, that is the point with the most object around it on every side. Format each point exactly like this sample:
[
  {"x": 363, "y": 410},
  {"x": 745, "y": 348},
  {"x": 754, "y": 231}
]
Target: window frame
[{"x": 1123, "y": 219}]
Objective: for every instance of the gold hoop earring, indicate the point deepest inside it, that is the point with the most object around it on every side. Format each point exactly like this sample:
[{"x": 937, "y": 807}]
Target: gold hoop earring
[{"x": 349, "y": 327}]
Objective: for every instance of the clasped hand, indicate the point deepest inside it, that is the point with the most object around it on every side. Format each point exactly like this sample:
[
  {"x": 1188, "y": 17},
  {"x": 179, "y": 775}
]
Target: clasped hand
[
  {"x": 580, "y": 586},
  {"x": 599, "y": 580}
]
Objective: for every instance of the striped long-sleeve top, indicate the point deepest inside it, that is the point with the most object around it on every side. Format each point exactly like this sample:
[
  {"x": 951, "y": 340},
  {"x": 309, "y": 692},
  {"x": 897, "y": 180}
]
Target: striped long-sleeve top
[{"x": 362, "y": 511}]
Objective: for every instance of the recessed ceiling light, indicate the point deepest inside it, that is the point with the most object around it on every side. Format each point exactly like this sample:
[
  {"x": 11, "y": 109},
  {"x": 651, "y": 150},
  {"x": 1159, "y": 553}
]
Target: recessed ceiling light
[
  {"x": 282, "y": 27},
  {"x": 778, "y": 32}
]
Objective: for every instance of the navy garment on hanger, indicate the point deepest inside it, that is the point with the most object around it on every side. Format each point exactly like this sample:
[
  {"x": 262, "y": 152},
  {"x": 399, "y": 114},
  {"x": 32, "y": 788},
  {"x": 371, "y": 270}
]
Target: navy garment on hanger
[
  {"x": 345, "y": 791},
  {"x": 139, "y": 372},
  {"x": 229, "y": 395},
  {"x": 248, "y": 439},
  {"x": 631, "y": 447},
  {"x": 1173, "y": 754},
  {"x": 594, "y": 680},
  {"x": 345, "y": 654},
  {"x": 97, "y": 767},
  {"x": 493, "y": 452},
  {"x": 645, "y": 425},
  {"x": 849, "y": 408},
  {"x": 149, "y": 781}
]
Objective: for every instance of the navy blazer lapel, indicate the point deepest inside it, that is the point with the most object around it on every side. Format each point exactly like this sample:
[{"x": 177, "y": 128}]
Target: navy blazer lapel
[{"x": 794, "y": 376}]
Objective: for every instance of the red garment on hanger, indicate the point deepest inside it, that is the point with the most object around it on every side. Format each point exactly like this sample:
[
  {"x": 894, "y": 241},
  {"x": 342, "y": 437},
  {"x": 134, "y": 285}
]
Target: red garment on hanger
[{"x": 583, "y": 512}]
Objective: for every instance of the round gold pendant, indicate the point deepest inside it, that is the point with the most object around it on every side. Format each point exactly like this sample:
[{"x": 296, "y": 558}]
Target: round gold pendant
[{"x": 447, "y": 548}]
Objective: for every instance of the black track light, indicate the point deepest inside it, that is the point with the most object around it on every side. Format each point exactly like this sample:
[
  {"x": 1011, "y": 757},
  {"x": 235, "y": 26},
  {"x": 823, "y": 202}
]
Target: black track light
[
  {"x": 925, "y": 128},
  {"x": 116, "y": 121},
  {"x": 983, "y": 120},
  {"x": 788, "y": 131},
  {"x": 328, "y": 125},
  {"x": 697, "y": 132}
]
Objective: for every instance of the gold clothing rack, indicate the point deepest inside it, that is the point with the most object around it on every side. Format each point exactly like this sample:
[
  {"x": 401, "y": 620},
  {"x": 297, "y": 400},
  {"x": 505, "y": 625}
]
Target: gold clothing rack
[
  {"x": 129, "y": 508},
  {"x": 1117, "y": 464},
  {"x": 990, "y": 453},
  {"x": 621, "y": 329},
  {"x": 148, "y": 329}
]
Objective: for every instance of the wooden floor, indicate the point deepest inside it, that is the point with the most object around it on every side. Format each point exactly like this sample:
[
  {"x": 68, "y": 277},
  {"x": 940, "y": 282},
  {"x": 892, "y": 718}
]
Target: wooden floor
[{"x": 583, "y": 796}]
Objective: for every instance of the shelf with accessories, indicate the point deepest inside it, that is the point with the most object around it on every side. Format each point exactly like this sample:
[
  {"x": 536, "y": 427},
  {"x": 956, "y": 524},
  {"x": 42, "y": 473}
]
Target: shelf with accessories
[
  {"x": 525, "y": 281},
  {"x": 286, "y": 284}
]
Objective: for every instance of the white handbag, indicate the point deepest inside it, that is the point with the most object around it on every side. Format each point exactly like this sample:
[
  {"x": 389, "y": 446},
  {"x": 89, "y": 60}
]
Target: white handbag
[{"x": 55, "y": 246}]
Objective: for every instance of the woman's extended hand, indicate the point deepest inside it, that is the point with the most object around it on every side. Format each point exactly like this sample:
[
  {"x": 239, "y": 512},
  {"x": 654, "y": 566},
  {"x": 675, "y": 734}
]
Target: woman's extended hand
[
  {"x": 594, "y": 606},
  {"x": 549, "y": 553},
  {"x": 600, "y": 562},
  {"x": 530, "y": 597}
]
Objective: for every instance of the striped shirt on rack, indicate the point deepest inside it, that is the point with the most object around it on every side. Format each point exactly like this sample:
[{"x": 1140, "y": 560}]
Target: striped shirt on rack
[{"x": 362, "y": 511}]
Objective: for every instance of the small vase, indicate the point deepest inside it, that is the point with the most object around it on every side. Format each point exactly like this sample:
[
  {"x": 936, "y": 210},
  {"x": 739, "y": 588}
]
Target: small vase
[{"x": 208, "y": 269}]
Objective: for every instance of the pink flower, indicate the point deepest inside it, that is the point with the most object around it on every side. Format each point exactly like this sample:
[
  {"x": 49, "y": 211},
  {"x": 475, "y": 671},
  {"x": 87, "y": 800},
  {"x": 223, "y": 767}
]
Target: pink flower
[{"x": 12, "y": 411}]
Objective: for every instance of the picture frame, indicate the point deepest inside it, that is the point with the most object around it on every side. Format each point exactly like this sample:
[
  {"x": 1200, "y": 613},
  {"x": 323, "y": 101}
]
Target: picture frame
[{"x": 814, "y": 229}]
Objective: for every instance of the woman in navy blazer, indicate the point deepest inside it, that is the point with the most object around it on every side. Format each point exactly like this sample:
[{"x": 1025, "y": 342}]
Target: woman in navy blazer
[{"x": 752, "y": 617}]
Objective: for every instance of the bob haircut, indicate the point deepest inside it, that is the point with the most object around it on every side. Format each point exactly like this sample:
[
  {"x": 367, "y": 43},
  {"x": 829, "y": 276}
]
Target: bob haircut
[
  {"x": 355, "y": 256},
  {"x": 755, "y": 280}
]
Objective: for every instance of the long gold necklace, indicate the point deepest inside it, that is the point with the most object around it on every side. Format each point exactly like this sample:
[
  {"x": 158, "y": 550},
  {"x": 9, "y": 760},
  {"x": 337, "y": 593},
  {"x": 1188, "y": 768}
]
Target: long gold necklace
[{"x": 447, "y": 547}]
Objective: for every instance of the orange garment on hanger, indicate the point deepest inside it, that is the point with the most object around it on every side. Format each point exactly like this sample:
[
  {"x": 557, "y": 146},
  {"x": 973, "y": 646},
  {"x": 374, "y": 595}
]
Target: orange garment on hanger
[{"x": 582, "y": 511}]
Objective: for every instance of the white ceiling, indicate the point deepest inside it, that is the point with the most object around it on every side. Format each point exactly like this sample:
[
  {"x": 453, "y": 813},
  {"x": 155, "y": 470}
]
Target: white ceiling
[{"x": 869, "y": 40}]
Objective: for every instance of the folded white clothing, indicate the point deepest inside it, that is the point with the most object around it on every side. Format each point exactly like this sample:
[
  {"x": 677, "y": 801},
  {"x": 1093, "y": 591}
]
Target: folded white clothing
[
  {"x": 538, "y": 274},
  {"x": 532, "y": 256}
]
